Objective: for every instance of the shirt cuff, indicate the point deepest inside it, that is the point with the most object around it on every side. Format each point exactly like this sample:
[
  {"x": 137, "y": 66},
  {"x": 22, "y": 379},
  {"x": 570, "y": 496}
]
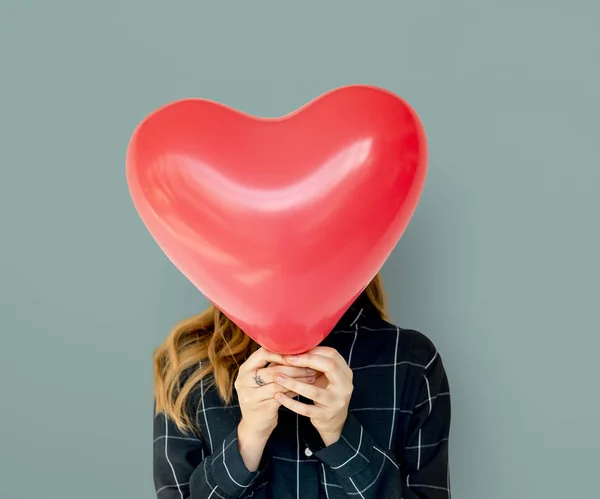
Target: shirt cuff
[
  {"x": 351, "y": 453},
  {"x": 226, "y": 469}
]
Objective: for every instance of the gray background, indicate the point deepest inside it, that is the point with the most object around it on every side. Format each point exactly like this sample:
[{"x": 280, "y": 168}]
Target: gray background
[{"x": 499, "y": 265}]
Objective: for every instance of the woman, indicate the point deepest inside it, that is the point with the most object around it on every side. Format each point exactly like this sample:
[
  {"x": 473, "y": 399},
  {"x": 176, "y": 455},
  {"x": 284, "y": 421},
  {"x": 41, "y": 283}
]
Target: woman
[{"x": 365, "y": 414}]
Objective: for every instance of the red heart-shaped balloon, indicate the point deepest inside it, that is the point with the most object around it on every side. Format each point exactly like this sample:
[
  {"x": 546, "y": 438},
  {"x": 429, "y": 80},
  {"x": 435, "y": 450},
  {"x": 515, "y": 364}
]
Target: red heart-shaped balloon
[{"x": 281, "y": 223}]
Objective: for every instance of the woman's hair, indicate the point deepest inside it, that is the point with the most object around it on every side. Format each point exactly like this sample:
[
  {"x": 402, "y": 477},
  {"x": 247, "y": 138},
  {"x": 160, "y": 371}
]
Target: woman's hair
[{"x": 209, "y": 347}]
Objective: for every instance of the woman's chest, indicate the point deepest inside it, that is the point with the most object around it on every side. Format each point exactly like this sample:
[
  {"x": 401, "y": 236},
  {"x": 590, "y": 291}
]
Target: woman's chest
[{"x": 377, "y": 402}]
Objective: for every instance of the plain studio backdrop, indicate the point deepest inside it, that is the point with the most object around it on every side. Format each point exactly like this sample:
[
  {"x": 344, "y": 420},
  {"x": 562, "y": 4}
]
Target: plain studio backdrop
[{"x": 499, "y": 266}]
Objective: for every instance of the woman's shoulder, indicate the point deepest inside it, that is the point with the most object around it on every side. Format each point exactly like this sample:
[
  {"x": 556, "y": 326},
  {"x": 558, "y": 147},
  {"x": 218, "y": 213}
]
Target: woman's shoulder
[{"x": 407, "y": 345}]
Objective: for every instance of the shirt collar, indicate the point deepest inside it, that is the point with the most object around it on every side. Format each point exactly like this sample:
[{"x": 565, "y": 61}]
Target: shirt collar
[{"x": 356, "y": 313}]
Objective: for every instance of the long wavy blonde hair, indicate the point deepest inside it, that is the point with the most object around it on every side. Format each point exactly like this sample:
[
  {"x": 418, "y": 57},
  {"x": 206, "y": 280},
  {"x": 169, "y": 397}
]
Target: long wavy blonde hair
[{"x": 210, "y": 345}]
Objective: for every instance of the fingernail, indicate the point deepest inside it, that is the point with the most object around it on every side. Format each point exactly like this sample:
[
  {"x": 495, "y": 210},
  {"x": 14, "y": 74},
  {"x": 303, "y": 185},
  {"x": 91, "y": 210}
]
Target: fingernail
[
  {"x": 311, "y": 379},
  {"x": 292, "y": 358},
  {"x": 280, "y": 377},
  {"x": 310, "y": 371}
]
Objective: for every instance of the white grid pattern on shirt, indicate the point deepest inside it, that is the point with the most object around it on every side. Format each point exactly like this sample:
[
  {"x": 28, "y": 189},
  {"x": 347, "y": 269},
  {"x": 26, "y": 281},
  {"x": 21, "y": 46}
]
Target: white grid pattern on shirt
[
  {"x": 394, "y": 365},
  {"x": 430, "y": 408},
  {"x": 356, "y": 452},
  {"x": 288, "y": 460},
  {"x": 358, "y": 316},
  {"x": 387, "y": 457},
  {"x": 298, "y": 461},
  {"x": 419, "y": 452},
  {"x": 352, "y": 447},
  {"x": 167, "y": 457},
  {"x": 419, "y": 445},
  {"x": 325, "y": 482},
  {"x": 395, "y": 388},
  {"x": 171, "y": 487},
  {"x": 214, "y": 489},
  {"x": 352, "y": 347},
  {"x": 297, "y": 456},
  {"x": 361, "y": 491},
  {"x": 397, "y": 409},
  {"x": 222, "y": 452},
  {"x": 204, "y": 413},
  {"x": 173, "y": 437},
  {"x": 414, "y": 447},
  {"x": 432, "y": 399},
  {"x": 394, "y": 409},
  {"x": 227, "y": 469}
]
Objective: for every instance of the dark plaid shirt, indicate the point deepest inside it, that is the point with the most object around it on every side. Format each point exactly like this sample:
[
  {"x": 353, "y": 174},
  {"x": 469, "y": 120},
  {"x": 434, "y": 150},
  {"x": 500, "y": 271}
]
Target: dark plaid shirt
[{"x": 394, "y": 443}]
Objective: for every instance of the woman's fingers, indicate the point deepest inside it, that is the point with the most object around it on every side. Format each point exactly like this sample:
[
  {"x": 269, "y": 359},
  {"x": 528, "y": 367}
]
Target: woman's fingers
[
  {"x": 329, "y": 366},
  {"x": 311, "y": 392},
  {"x": 301, "y": 408},
  {"x": 260, "y": 359},
  {"x": 269, "y": 391},
  {"x": 267, "y": 374},
  {"x": 332, "y": 353}
]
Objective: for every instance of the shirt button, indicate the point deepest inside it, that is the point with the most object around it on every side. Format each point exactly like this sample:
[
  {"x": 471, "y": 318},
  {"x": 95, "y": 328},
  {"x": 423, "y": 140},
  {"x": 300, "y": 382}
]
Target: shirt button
[{"x": 308, "y": 452}]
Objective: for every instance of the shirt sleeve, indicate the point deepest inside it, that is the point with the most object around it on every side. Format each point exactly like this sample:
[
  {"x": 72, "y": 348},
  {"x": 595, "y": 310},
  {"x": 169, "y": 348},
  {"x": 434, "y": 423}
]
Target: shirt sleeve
[
  {"x": 420, "y": 470},
  {"x": 183, "y": 468}
]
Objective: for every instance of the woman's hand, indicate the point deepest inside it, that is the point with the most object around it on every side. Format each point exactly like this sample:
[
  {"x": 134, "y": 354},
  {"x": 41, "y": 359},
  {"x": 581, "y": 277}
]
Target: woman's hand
[
  {"x": 256, "y": 389},
  {"x": 330, "y": 393},
  {"x": 255, "y": 386}
]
